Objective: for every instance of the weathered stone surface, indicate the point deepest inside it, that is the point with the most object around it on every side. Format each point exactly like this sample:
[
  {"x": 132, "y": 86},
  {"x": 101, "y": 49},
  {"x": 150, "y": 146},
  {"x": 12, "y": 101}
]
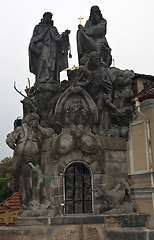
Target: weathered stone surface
[
  {"x": 29, "y": 221},
  {"x": 123, "y": 169},
  {"x": 89, "y": 159},
  {"x": 58, "y": 181},
  {"x": 106, "y": 180},
  {"x": 58, "y": 199},
  {"x": 115, "y": 156},
  {"x": 66, "y": 159},
  {"x": 113, "y": 143},
  {"x": 99, "y": 179},
  {"x": 53, "y": 168},
  {"x": 130, "y": 220},
  {"x": 11, "y": 233},
  {"x": 77, "y": 155},
  {"x": 56, "y": 190},
  {"x": 113, "y": 168},
  {"x": 128, "y": 234},
  {"x": 94, "y": 231},
  {"x": 150, "y": 234},
  {"x": 97, "y": 167},
  {"x": 73, "y": 133},
  {"x": 45, "y": 66},
  {"x": 122, "y": 220},
  {"x": 88, "y": 41},
  {"x": 75, "y": 232},
  {"x": 116, "y": 168}
]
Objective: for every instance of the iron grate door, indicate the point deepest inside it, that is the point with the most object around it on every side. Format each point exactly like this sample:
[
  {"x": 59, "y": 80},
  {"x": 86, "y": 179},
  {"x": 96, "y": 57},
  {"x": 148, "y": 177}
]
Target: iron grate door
[{"x": 78, "y": 189}]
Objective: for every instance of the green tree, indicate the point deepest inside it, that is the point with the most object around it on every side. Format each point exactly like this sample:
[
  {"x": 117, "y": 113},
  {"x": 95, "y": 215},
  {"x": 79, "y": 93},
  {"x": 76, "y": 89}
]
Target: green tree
[{"x": 5, "y": 175}]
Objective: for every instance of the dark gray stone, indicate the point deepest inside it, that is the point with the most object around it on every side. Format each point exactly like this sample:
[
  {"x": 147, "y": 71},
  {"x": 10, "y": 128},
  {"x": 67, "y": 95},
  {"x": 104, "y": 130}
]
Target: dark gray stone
[
  {"x": 88, "y": 41},
  {"x": 48, "y": 54},
  {"x": 118, "y": 221},
  {"x": 72, "y": 137},
  {"x": 150, "y": 234},
  {"x": 128, "y": 234}
]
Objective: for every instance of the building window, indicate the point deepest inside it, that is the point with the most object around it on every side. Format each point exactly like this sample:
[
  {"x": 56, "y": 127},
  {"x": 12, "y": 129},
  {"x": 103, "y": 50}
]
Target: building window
[{"x": 78, "y": 188}]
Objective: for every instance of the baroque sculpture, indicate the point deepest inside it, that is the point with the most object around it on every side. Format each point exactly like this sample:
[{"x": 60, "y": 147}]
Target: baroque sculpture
[
  {"x": 91, "y": 38},
  {"x": 48, "y": 50},
  {"x": 70, "y": 145}
]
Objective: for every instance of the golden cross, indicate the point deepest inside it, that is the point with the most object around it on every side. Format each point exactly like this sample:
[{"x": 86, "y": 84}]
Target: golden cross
[{"x": 80, "y": 19}]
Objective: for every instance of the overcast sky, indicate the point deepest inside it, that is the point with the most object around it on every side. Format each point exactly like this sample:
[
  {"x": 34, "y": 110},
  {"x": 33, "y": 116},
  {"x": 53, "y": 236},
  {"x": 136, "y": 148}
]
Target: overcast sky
[{"x": 130, "y": 34}]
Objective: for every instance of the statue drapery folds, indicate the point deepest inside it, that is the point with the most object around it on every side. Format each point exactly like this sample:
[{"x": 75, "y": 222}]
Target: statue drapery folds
[
  {"x": 92, "y": 38},
  {"x": 48, "y": 51}
]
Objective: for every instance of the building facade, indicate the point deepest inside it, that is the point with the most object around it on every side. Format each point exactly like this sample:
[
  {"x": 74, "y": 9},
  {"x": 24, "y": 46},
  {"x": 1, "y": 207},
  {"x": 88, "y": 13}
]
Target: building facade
[{"x": 141, "y": 146}]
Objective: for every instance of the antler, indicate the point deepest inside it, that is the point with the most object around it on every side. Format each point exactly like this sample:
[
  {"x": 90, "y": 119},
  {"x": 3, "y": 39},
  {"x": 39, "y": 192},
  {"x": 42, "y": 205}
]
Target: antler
[
  {"x": 29, "y": 89},
  {"x": 28, "y": 83},
  {"x": 18, "y": 90}
]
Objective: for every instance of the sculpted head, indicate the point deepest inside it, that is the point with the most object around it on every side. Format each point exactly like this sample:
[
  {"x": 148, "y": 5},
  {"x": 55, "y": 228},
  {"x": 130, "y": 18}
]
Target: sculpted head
[
  {"x": 47, "y": 16},
  {"x": 94, "y": 60},
  {"x": 95, "y": 14},
  {"x": 31, "y": 119}
]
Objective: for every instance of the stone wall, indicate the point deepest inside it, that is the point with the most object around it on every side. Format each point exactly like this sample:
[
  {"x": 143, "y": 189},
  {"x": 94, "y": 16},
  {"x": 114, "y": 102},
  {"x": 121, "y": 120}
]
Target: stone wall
[{"x": 106, "y": 170}]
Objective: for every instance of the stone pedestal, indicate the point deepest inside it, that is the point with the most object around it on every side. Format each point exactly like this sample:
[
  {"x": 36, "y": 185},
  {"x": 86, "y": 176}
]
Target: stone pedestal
[
  {"x": 100, "y": 227},
  {"x": 121, "y": 221}
]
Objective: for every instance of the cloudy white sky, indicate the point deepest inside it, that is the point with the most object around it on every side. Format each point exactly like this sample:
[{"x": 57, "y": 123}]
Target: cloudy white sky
[{"x": 130, "y": 34}]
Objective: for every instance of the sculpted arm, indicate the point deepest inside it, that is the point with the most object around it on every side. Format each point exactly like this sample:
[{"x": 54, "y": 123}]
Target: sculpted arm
[
  {"x": 12, "y": 137},
  {"x": 99, "y": 29},
  {"x": 60, "y": 37},
  {"x": 48, "y": 132}
]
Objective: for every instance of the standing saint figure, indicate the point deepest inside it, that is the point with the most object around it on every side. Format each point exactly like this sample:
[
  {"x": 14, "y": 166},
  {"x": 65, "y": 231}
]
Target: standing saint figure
[
  {"x": 92, "y": 38},
  {"x": 48, "y": 51},
  {"x": 26, "y": 141}
]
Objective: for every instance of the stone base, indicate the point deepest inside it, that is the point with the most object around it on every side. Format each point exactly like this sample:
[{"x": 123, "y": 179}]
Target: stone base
[
  {"x": 107, "y": 221},
  {"x": 74, "y": 232},
  {"x": 118, "y": 227}
]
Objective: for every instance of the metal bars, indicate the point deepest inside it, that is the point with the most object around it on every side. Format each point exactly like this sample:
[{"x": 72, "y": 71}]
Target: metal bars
[{"x": 78, "y": 189}]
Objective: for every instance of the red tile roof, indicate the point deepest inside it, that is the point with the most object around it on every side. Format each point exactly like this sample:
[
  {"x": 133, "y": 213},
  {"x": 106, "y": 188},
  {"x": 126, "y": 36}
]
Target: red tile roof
[
  {"x": 146, "y": 93},
  {"x": 13, "y": 202},
  {"x": 150, "y": 77}
]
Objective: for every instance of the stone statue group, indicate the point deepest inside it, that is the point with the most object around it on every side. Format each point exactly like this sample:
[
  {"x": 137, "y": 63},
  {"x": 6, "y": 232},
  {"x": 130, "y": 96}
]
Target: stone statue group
[
  {"x": 109, "y": 87},
  {"x": 48, "y": 50},
  {"x": 60, "y": 116}
]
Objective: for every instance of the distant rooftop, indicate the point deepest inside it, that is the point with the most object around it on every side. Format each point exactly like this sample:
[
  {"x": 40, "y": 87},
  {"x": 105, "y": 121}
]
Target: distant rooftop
[
  {"x": 148, "y": 89},
  {"x": 12, "y": 202},
  {"x": 144, "y": 76}
]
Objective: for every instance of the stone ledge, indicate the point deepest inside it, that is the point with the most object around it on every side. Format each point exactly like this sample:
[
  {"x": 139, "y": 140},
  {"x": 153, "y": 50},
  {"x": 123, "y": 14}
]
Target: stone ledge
[
  {"x": 129, "y": 234},
  {"x": 122, "y": 220}
]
